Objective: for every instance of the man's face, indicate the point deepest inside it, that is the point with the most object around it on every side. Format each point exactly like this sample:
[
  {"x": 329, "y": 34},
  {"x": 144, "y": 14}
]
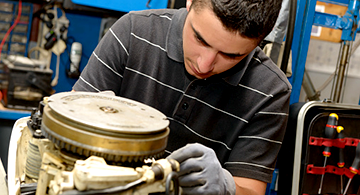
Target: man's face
[{"x": 209, "y": 48}]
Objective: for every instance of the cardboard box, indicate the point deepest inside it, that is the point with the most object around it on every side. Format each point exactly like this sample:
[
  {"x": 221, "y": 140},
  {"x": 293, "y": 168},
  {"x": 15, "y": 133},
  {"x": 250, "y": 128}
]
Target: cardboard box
[{"x": 328, "y": 34}]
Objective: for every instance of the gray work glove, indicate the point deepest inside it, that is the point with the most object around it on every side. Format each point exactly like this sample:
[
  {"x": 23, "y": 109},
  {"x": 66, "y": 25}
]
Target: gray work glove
[{"x": 201, "y": 172}]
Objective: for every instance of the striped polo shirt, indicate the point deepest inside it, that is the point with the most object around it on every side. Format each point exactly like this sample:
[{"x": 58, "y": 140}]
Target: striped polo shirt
[{"x": 241, "y": 113}]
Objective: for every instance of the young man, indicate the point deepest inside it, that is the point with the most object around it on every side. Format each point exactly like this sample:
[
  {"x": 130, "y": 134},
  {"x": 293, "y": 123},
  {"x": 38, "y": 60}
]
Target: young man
[{"x": 202, "y": 68}]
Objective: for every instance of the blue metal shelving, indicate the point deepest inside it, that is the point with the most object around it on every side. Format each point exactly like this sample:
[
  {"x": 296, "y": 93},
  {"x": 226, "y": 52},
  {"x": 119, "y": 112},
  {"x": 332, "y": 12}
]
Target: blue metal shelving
[
  {"x": 124, "y": 5},
  {"x": 306, "y": 17},
  {"x": 13, "y": 114}
]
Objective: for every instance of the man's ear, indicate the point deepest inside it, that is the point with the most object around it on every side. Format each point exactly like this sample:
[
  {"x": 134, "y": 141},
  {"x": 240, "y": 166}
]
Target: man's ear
[{"x": 188, "y": 4}]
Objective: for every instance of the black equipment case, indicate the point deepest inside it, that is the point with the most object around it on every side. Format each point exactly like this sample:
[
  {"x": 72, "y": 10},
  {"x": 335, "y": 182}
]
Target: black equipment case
[{"x": 301, "y": 159}]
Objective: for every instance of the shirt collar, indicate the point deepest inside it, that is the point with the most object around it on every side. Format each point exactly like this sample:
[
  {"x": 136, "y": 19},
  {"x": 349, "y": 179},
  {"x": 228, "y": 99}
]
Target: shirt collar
[{"x": 174, "y": 43}]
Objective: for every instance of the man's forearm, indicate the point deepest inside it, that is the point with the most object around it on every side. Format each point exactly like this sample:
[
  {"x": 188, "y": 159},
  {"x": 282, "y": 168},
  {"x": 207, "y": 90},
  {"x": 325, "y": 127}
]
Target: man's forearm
[{"x": 246, "y": 186}]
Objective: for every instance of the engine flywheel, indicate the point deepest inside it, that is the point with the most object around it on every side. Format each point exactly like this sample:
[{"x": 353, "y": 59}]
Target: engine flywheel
[{"x": 115, "y": 128}]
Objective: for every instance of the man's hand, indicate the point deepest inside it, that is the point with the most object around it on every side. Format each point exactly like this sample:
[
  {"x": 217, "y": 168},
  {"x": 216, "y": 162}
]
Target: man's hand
[{"x": 201, "y": 172}]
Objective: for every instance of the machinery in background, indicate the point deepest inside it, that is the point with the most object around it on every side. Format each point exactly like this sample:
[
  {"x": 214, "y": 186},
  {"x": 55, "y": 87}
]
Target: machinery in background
[
  {"x": 25, "y": 81},
  {"x": 91, "y": 143},
  {"x": 15, "y": 28},
  {"x": 28, "y": 81}
]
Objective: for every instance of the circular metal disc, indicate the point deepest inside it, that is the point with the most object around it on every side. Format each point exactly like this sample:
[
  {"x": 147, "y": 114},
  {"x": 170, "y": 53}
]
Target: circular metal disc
[{"x": 107, "y": 112}]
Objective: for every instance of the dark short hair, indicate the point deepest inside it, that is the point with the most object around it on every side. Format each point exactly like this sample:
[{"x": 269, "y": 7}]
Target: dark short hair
[{"x": 250, "y": 18}]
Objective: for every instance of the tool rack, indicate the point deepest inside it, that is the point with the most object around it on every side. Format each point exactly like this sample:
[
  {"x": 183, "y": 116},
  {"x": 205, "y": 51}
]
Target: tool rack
[{"x": 301, "y": 160}]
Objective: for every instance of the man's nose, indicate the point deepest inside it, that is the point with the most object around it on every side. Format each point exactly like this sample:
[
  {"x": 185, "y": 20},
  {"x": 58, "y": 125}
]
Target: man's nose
[{"x": 206, "y": 61}]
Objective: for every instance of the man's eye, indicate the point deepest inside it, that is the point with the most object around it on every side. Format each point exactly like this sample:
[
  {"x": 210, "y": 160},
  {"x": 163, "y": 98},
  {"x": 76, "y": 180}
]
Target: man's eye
[
  {"x": 232, "y": 56},
  {"x": 198, "y": 39}
]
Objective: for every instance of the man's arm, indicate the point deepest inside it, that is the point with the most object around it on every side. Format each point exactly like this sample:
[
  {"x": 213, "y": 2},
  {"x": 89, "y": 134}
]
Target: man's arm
[
  {"x": 201, "y": 173},
  {"x": 247, "y": 186}
]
